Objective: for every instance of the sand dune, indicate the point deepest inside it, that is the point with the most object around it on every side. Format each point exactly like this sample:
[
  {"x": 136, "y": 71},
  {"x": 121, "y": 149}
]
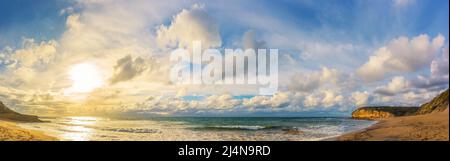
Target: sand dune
[
  {"x": 10, "y": 132},
  {"x": 429, "y": 127}
]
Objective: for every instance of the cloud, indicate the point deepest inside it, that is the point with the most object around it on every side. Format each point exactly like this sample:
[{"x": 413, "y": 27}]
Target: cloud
[
  {"x": 439, "y": 72},
  {"x": 418, "y": 97},
  {"x": 311, "y": 101},
  {"x": 97, "y": 32},
  {"x": 24, "y": 65},
  {"x": 397, "y": 85},
  {"x": 401, "y": 55},
  {"x": 127, "y": 68},
  {"x": 250, "y": 41},
  {"x": 412, "y": 96},
  {"x": 331, "y": 98},
  {"x": 35, "y": 54},
  {"x": 190, "y": 25},
  {"x": 171, "y": 105},
  {"x": 360, "y": 98},
  {"x": 439, "y": 66},
  {"x": 224, "y": 101},
  {"x": 401, "y": 3},
  {"x": 430, "y": 82},
  {"x": 280, "y": 99},
  {"x": 128, "y": 43},
  {"x": 310, "y": 81},
  {"x": 68, "y": 10}
]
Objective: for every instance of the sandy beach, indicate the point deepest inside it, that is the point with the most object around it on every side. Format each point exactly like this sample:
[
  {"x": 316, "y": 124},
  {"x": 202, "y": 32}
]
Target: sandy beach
[
  {"x": 429, "y": 127},
  {"x": 10, "y": 132}
]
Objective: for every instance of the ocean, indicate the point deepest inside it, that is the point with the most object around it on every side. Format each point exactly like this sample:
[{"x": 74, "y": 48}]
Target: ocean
[{"x": 197, "y": 128}]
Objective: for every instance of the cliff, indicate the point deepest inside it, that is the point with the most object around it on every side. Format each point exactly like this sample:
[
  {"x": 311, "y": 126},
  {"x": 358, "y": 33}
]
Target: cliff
[
  {"x": 438, "y": 104},
  {"x": 8, "y": 114},
  {"x": 382, "y": 112}
]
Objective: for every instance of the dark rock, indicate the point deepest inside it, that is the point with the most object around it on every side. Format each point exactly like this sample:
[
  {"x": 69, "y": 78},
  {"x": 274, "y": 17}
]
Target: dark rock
[{"x": 8, "y": 114}]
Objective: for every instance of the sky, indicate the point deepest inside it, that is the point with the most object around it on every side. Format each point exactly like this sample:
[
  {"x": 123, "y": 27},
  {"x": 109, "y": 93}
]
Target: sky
[{"x": 111, "y": 57}]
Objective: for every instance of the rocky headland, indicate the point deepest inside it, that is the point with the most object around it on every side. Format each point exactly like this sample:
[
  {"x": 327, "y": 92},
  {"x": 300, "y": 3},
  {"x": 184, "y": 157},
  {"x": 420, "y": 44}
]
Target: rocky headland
[
  {"x": 9, "y": 131},
  {"x": 429, "y": 122}
]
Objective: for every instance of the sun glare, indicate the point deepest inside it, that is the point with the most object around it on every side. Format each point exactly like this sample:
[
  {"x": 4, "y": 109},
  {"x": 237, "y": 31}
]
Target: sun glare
[{"x": 85, "y": 78}]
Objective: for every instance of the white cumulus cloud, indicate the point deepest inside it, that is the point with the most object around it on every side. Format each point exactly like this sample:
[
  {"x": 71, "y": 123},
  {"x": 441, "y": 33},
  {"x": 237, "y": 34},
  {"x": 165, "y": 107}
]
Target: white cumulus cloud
[
  {"x": 360, "y": 98},
  {"x": 397, "y": 85},
  {"x": 190, "y": 25},
  {"x": 313, "y": 80},
  {"x": 401, "y": 55}
]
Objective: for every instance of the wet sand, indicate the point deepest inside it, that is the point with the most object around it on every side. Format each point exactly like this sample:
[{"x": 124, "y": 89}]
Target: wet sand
[
  {"x": 9, "y": 131},
  {"x": 429, "y": 127}
]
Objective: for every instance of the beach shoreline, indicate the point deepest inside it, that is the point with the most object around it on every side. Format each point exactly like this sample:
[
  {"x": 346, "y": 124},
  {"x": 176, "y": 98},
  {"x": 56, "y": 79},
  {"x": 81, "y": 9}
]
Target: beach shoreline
[
  {"x": 10, "y": 131},
  {"x": 428, "y": 127},
  {"x": 196, "y": 129}
]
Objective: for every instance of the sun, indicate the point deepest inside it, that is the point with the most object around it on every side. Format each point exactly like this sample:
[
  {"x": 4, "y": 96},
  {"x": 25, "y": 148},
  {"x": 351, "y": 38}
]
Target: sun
[{"x": 85, "y": 78}]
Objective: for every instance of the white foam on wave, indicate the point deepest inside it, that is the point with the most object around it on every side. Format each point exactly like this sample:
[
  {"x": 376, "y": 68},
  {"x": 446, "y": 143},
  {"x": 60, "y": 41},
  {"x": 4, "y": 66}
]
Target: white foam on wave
[
  {"x": 103, "y": 129},
  {"x": 245, "y": 127}
]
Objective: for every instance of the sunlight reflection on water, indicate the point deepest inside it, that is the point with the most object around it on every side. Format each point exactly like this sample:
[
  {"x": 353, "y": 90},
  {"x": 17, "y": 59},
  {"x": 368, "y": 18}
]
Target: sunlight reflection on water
[{"x": 81, "y": 132}]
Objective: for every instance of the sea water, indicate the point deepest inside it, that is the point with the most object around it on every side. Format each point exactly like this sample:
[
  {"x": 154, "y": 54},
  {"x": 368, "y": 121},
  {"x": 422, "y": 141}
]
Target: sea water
[{"x": 197, "y": 128}]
